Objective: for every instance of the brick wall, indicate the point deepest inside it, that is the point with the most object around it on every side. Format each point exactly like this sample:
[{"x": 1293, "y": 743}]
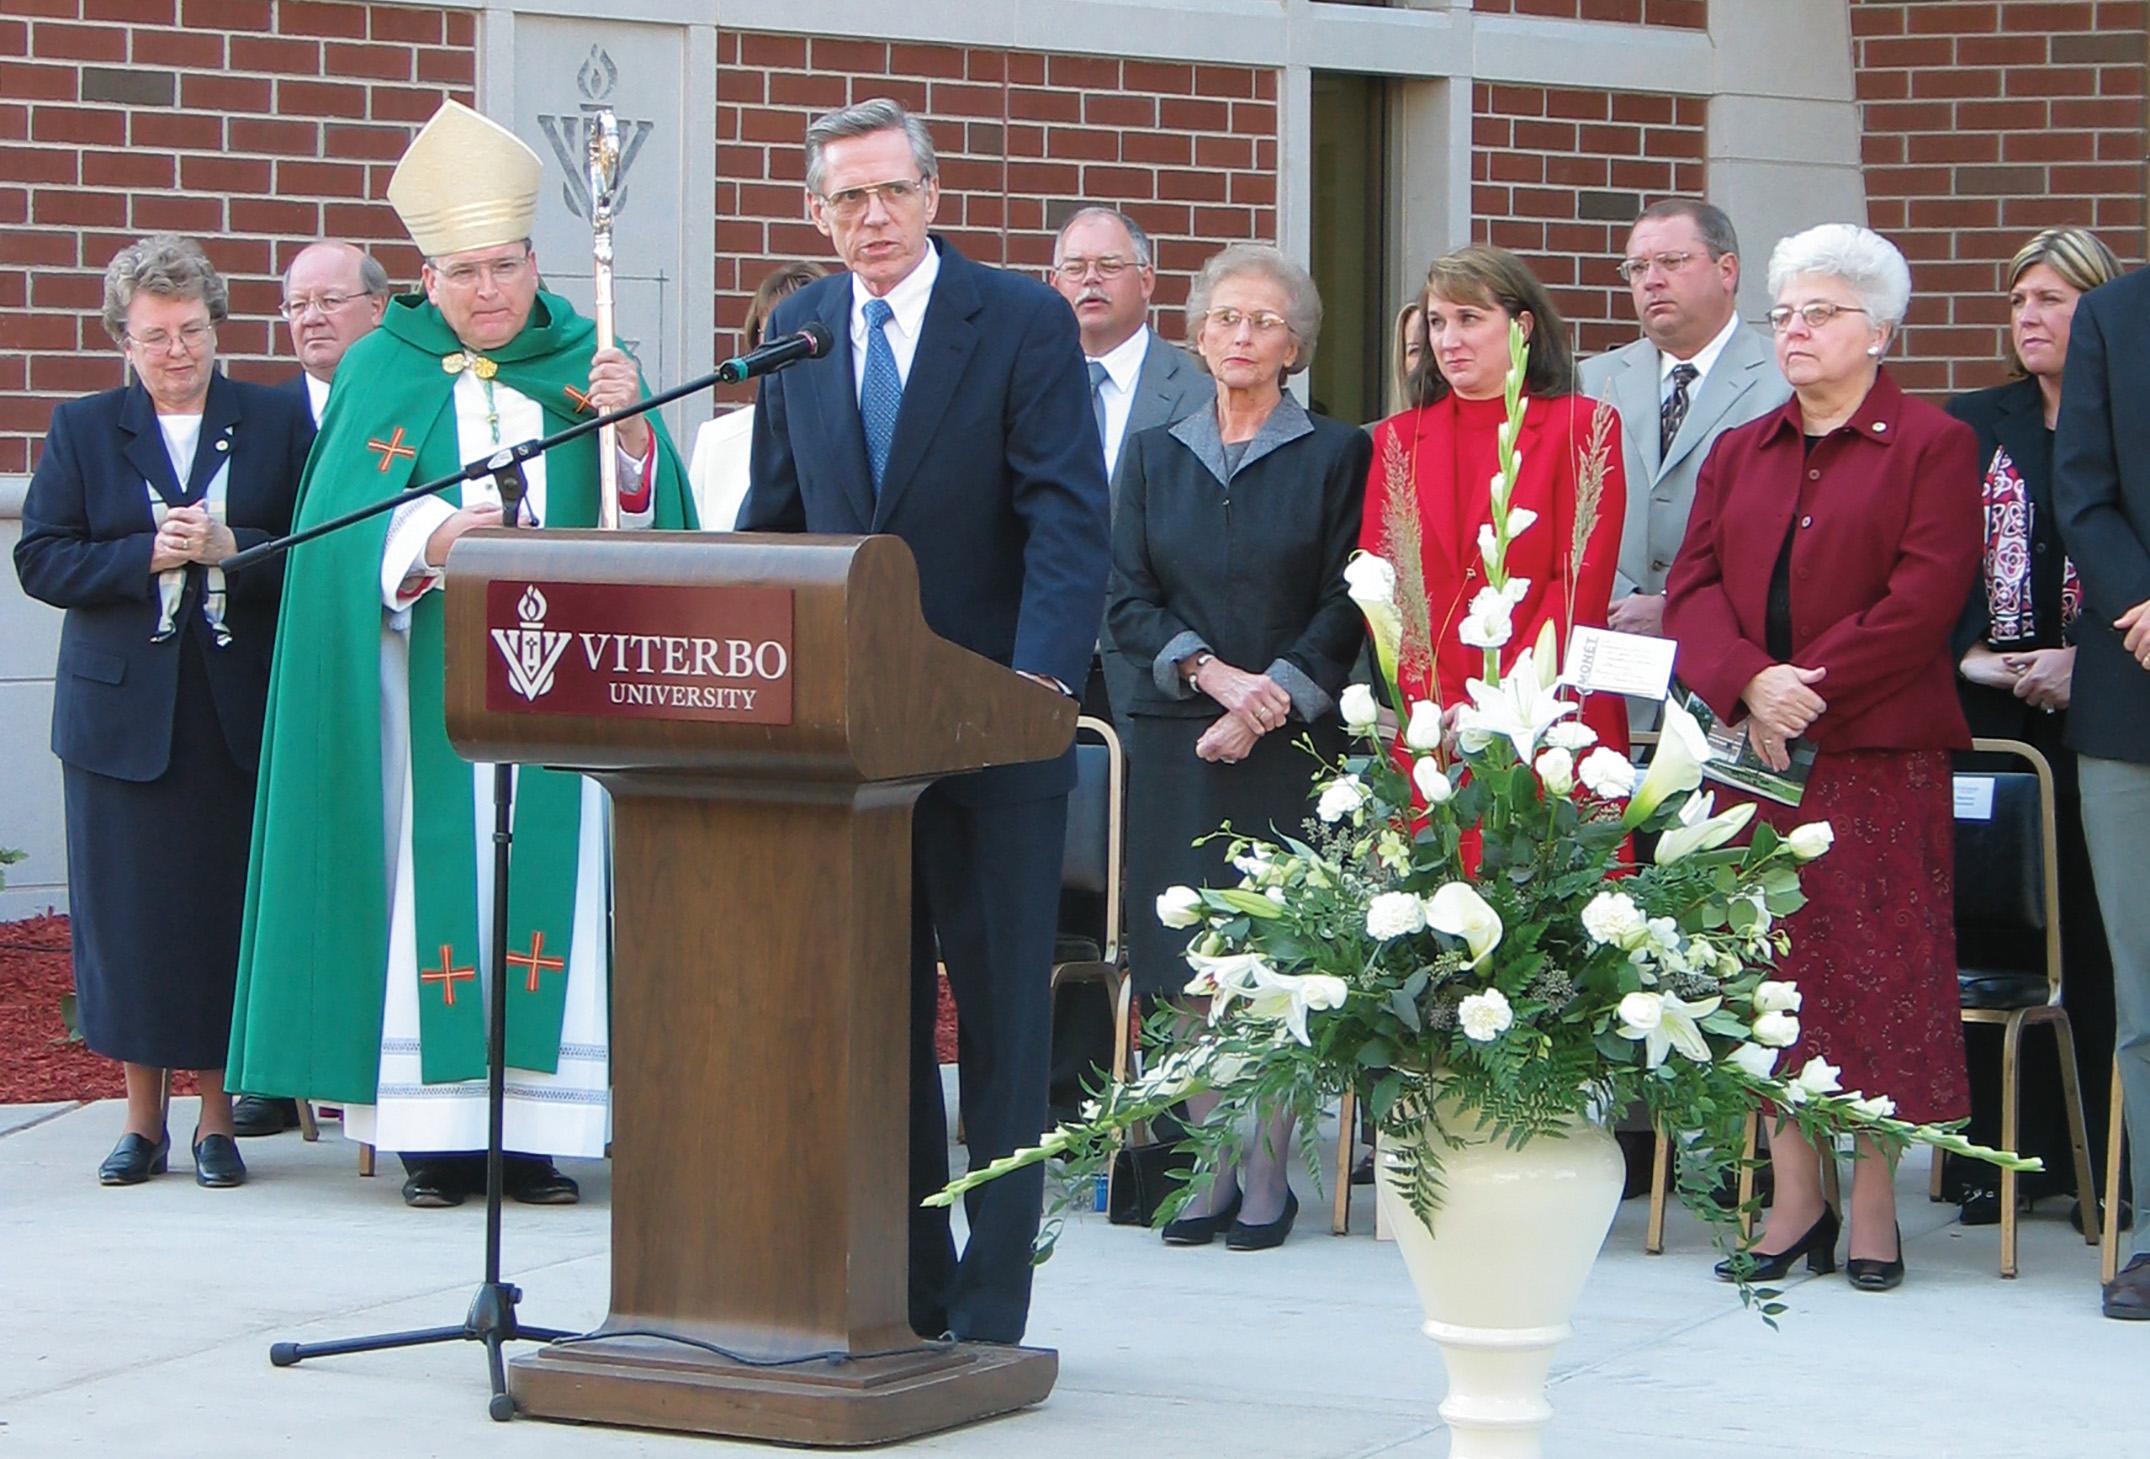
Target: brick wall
[
  {"x": 1024, "y": 138},
  {"x": 1686, "y": 14},
  {"x": 253, "y": 125},
  {"x": 1982, "y": 123},
  {"x": 1558, "y": 175}
]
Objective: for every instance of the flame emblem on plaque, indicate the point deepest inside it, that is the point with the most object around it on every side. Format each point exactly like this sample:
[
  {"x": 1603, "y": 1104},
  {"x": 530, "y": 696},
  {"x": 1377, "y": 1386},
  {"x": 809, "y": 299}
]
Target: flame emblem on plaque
[
  {"x": 569, "y": 135},
  {"x": 531, "y": 652}
]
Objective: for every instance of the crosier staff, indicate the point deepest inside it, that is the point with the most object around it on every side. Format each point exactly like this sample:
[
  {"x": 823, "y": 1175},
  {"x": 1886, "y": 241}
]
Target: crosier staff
[{"x": 604, "y": 158}]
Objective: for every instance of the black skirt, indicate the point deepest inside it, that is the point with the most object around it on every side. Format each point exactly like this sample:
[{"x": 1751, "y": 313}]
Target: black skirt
[
  {"x": 156, "y": 876},
  {"x": 1174, "y": 797}
]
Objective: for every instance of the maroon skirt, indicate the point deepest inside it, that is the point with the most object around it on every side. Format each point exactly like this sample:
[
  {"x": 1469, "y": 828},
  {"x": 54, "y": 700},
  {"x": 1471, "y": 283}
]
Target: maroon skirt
[{"x": 1874, "y": 949}]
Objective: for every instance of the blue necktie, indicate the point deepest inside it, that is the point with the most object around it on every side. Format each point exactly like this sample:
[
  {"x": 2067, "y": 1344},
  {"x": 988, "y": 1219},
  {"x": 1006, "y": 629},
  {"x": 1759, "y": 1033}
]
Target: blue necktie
[{"x": 882, "y": 393}]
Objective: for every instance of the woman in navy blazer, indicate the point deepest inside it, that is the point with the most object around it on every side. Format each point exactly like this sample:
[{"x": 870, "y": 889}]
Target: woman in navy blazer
[
  {"x": 1829, "y": 551},
  {"x": 157, "y": 704}
]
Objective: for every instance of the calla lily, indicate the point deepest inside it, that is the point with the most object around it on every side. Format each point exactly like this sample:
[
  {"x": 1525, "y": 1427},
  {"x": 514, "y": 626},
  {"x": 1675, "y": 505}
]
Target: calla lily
[
  {"x": 1675, "y": 769},
  {"x": 1371, "y": 582},
  {"x": 1698, "y": 830},
  {"x": 1520, "y": 709},
  {"x": 1676, "y": 1025},
  {"x": 1459, "y": 911}
]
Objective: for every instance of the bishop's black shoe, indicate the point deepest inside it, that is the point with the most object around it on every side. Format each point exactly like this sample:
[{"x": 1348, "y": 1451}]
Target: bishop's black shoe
[
  {"x": 540, "y": 1183},
  {"x": 255, "y": 1114}
]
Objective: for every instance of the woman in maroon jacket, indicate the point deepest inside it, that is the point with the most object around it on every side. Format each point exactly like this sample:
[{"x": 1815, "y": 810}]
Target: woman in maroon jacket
[{"x": 1831, "y": 546}]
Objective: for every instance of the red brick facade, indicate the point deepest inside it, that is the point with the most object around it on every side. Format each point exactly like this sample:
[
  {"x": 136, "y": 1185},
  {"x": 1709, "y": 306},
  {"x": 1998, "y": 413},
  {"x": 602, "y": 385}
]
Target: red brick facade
[
  {"x": 1024, "y": 138},
  {"x": 1558, "y": 174},
  {"x": 254, "y": 126},
  {"x": 1982, "y": 123},
  {"x": 1685, "y": 14}
]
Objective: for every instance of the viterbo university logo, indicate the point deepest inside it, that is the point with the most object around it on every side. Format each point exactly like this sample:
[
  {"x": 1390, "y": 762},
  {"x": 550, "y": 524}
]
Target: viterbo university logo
[{"x": 531, "y": 652}]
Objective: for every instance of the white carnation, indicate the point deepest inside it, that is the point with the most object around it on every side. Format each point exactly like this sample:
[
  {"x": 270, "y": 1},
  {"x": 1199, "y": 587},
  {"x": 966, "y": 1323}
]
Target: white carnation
[
  {"x": 1611, "y": 917},
  {"x": 1341, "y": 799},
  {"x": 1571, "y": 735},
  {"x": 1607, "y": 774},
  {"x": 1394, "y": 914},
  {"x": 1485, "y": 1016}
]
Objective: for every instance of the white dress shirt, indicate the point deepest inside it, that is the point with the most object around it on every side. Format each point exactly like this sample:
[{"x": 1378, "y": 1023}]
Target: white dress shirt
[
  {"x": 908, "y": 302},
  {"x": 1702, "y": 360},
  {"x": 1123, "y": 369},
  {"x": 316, "y": 396}
]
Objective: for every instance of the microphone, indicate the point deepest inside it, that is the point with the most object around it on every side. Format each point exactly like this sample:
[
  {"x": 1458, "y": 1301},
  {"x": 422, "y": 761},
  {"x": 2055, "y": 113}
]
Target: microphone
[{"x": 810, "y": 343}]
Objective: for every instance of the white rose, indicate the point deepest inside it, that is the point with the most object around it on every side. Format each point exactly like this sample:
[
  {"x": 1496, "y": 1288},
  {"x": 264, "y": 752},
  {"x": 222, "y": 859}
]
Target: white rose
[
  {"x": 1340, "y": 799},
  {"x": 1607, "y": 774},
  {"x": 1611, "y": 917},
  {"x": 1880, "y": 1107},
  {"x": 1777, "y": 997},
  {"x": 1423, "y": 732},
  {"x": 1394, "y": 914},
  {"x": 1432, "y": 782},
  {"x": 1357, "y": 706},
  {"x": 1811, "y": 840},
  {"x": 1755, "y": 1059},
  {"x": 1485, "y": 1016},
  {"x": 1641, "y": 1012},
  {"x": 1179, "y": 907},
  {"x": 1777, "y": 1030},
  {"x": 1556, "y": 772},
  {"x": 1571, "y": 735},
  {"x": 1370, "y": 579}
]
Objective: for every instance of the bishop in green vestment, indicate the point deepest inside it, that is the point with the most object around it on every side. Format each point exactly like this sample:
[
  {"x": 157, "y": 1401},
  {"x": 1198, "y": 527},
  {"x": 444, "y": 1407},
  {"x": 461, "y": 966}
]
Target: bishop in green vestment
[{"x": 365, "y": 943}]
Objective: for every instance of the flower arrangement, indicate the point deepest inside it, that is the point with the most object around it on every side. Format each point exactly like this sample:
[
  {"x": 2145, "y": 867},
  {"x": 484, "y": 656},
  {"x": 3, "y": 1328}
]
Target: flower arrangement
[{"x": 1462, "y": 936}]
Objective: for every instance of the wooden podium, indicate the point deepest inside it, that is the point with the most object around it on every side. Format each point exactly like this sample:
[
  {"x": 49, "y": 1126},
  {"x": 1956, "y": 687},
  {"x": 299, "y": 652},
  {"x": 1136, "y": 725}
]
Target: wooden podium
[{"x": 764, "y": 711}]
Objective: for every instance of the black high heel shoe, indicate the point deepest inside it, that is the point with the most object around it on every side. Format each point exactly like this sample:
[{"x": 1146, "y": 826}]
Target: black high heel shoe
[
  {"x": 1243, "y": 1237},
  {"x": 135, "y": 1159},
  {"x": 1818, "y": 1246},
  {"x": 1202, "y": 1230},
  {"x": 1869, "y": 1275}
]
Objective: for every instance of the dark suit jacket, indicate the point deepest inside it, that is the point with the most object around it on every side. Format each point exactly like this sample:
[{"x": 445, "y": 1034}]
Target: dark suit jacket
[
  {"x": 295, "y": 387},
  {"x": 1253, "y": 571},
  {"x": 994, "y": 480},
  {"x": 87, "y": 533},
  {"x": 1887, "y": 546},
  {"x": 2011, "y": 418},
  {"x": 2101, "y": 494}
]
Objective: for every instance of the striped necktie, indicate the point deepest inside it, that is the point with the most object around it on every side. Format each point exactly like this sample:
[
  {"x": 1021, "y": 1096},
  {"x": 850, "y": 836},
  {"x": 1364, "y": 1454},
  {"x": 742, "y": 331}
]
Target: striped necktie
[{"x": 1674, "y": 410}]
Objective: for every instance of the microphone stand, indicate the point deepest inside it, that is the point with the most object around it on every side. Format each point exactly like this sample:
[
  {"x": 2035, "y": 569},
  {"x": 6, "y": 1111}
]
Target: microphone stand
[{"x": 492, "y": 1318}]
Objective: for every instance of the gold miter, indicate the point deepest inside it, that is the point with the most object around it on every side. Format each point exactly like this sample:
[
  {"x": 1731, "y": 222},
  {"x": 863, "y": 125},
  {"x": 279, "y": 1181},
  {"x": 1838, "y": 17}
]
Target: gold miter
[{"x": 465, "y": 182}]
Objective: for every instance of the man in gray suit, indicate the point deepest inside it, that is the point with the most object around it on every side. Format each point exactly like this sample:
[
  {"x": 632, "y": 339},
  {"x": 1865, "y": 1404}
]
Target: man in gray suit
[
  {"x": 1104, "y": 268},
  {"x": 1696, "y": 373}
]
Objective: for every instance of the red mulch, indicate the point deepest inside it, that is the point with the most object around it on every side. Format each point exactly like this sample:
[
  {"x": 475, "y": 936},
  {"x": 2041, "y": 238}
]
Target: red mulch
[{"x": 38, "y": 1062}]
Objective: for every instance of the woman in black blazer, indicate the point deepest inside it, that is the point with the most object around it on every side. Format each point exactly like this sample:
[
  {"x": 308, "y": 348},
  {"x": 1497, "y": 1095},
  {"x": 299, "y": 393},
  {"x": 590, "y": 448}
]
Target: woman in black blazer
[
  {"x": 2015, "y": 647},
  {"x": 139, "y": 495},
  {"x": 1229, "y": 543}
]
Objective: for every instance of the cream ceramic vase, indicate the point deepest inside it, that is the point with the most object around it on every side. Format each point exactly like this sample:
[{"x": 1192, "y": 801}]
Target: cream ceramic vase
[{"x": 1512, "y": 1242}]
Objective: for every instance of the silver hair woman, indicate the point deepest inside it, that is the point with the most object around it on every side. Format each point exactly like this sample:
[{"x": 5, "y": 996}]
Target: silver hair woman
[
  {"x": 1298, "y": 301},
  {"x": 1861, "y": 260}
]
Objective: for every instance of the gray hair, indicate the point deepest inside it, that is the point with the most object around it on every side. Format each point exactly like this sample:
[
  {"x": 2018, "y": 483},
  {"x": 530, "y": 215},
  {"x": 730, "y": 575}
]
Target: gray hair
[
  {"x": 164, "y": 264},
  {"x": 1868, "y": 264},
  {"x": 372, "y": 278},
  {"x": 1710, "y": 221},
  {"x": 862, "y": 120},
  {"x": 1302, "y": 308},
  {"x": 1136, "y": 238}
]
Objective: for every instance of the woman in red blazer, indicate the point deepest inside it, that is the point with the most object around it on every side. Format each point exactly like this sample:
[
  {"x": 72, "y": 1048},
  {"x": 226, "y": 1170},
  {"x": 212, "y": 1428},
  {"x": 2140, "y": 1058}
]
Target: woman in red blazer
[
  {"x": 1831, "y": 546},
  {"x": 1445, "y": 450}
]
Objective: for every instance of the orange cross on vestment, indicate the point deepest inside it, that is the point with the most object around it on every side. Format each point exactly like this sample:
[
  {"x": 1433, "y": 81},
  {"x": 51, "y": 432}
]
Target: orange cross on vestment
[
  {"x": 390, "y": 449},
  {"x": 448, "y": 975},
  {"x": 536, "y": 961},
  {"x": 581, "y": 399}
]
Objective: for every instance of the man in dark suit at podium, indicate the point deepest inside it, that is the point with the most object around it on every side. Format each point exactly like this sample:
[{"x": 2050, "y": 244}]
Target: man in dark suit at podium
[{"x": 953, "y": 412}]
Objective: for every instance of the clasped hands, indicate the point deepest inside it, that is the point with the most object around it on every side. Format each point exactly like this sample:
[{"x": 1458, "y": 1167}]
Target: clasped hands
[
  {"x": 1254, "y": 704},
  {"x": 190, "y": 534},
  {"x": 1781, "y": 703},
  {"x": 2036, "y": 676}
]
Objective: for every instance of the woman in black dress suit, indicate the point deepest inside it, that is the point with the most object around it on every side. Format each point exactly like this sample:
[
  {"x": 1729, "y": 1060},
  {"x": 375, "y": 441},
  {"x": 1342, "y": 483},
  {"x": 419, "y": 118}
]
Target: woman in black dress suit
[
  {"x": 2015, "y": 656},
  {"x": 163, "y": 673},
  {"x": 1229, "y": 545}
]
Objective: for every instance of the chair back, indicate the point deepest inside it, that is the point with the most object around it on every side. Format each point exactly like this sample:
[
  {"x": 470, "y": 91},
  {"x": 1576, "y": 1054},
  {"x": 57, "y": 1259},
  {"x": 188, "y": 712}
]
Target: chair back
[
  {"x": 2007, "y": 872},
  {"x": 1090, "y": 869}
]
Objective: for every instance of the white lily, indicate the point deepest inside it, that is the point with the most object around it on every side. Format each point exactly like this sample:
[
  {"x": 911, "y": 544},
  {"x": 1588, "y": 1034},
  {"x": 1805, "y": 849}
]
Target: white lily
[
  {"x": 1520, "y": 710},
  {"x": 1287, "y": 998},
  {"x": 1676, "y": 767},
  {"x": 1665, "y": 1021},
  {"x": 1222, "y": 977},
  {"x": 1459, "y": 911},
  {"x": 1698, "y": 830}
]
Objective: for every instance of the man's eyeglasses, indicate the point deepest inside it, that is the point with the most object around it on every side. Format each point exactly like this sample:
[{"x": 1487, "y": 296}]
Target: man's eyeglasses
[
  {"x": 1633, "y": 269},
  {"x": 502, "y": 271},
  {"x": 1110, "y": 267},
  {"x": 191, "y": 337},
  {"x": 1262, "y": 320},
  {"x": 1816, "y": 314},
  {"x": 898, "y": 194},
  {"x": 326, "y": 303}
]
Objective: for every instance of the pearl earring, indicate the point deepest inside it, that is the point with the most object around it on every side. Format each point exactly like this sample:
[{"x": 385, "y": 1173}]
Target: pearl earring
[{"x": 1873, "y": 351}]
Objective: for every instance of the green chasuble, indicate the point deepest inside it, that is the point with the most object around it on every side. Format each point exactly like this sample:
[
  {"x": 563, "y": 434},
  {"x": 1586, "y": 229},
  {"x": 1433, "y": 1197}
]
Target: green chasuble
[{"x": 314, "y": 949}]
